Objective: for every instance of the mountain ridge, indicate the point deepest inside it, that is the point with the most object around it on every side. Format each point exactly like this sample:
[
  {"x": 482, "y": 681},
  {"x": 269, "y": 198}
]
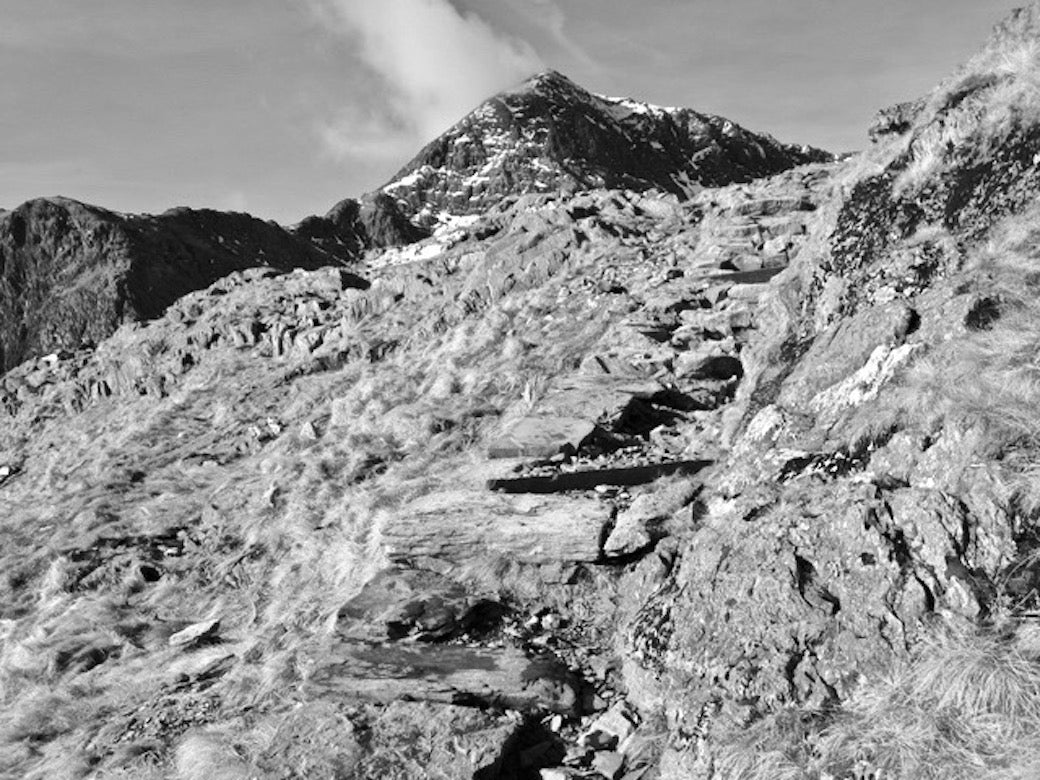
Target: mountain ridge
[{"x": 162, "y": 257}]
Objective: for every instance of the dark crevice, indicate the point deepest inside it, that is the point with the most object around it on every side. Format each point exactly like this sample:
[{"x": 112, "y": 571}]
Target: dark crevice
[
  {"x": 982, "y": 314},
  {"x": 531, "y": 748},
  {"x": 18, "y": 230}
]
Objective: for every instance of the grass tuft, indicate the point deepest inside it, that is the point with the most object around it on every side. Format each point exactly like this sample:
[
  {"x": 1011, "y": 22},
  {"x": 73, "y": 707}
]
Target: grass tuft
[{"x": 966, "y": 708}]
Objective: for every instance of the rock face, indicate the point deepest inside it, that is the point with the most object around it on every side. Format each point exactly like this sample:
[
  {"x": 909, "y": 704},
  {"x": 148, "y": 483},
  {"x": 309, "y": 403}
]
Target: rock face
[
  {"x": 71, "y": 273},
  {"x": 551, "y": 135}
]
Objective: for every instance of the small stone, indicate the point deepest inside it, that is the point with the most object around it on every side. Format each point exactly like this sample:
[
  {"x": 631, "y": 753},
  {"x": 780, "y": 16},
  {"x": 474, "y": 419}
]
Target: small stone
[
  {"x": 610, "y": 728},
  {"x": 308, "y": 431},
  {"x": 194, "y": 633},
  {"x": 551, "y": 621},
  {"x": 577, "y": 756},
  {"x": 555, "y": 773},
  {"x": 608, "y": 764},
  {"x": 556, "y": 723}
]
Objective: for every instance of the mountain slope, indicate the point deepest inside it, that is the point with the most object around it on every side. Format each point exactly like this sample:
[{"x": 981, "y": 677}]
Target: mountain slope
[
  {"x": 601, "y": 483},
  {"x": 864, "y": 578},
  {"x": 551, "y": 135}
]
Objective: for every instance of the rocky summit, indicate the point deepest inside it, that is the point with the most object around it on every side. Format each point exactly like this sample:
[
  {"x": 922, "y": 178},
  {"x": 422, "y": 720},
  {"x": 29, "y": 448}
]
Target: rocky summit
[
  {"x": 605, "y": 441},
  {"x": 550, "y": 135}
]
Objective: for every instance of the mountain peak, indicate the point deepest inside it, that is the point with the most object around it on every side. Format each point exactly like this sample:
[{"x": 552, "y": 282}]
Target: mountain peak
[
  {"x": 551, "y": 134},
  {"x": 549, "y": 80}
]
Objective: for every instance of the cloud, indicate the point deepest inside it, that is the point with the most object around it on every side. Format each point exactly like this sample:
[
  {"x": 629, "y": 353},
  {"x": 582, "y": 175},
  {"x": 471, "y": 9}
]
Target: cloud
[
  {"x": 551, "y": 17},
  {"x": 434, "y": 62}
]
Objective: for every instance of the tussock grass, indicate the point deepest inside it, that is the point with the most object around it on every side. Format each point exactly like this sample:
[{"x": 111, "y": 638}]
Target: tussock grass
[
  {"x": 775, "y": 747},
  {"x": 966, "y": 708},
  {"x": 978, "y": 108}
]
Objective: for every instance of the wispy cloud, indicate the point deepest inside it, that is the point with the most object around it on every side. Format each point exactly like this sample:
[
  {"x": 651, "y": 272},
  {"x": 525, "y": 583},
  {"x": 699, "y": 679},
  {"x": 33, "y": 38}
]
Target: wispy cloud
[
  {"x": 552, "y": 18},
  {"x": 434, "y": 61}
]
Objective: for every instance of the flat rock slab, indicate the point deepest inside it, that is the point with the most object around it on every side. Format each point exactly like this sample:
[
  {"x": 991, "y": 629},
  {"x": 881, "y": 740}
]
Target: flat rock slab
[
  {"x": 398, "y": 603},
  {"x": 541, "y": 437},
  {"x": 586, "y": 480},
  {"x": 447, "y": 674},
  {"x": 568, "y": 414},
  {"x": 462, "y": 527}
]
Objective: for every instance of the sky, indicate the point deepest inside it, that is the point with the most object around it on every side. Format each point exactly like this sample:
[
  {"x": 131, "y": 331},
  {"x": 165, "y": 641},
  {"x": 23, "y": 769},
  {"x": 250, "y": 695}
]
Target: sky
[{"x": 284, "y": 107}]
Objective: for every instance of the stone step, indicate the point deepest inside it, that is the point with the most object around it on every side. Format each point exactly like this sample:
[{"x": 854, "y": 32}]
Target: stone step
[
  {"x": 747, "y": 277},
  {"x": 568, "y": 413},
  {"x": 464, "y": 527},
  {"x": 482, "y": 677},
  {"x": 587, "y": 480},
  {"x": 541, "y": 436},
  {"x": 771, "y": 206}
]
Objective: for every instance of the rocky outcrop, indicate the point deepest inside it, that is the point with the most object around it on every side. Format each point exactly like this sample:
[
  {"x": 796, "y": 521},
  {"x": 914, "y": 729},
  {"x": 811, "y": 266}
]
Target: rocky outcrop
[
  {"x": 70, "y": 273},
  {"x": 894, "y": 120},
  {"x": 550, "y": 135},
  {"x": 352, "y": 226}
]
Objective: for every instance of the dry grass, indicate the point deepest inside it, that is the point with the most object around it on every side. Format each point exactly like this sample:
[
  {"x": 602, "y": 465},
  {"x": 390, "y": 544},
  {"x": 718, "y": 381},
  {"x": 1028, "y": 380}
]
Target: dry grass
[
  {"x": 986, "y": 377},
  {"x": 776, "y": 747},
  {"x": 992, "y": 95},
  {"x": 967, "y": 708}
]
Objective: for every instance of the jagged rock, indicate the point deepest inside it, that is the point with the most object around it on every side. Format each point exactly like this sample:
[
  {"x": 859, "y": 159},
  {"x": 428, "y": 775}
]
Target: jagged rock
[
  {"x": 632, "y": 530},
  {"x": 402, "y": 740},
  {"x": 894, "y": 120},
  {"x": 844, "y": 348},
  {"x": 568, "y": 415},
  {"x": 611, "y": 728},
  {"x": 352, "y": 226}
]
